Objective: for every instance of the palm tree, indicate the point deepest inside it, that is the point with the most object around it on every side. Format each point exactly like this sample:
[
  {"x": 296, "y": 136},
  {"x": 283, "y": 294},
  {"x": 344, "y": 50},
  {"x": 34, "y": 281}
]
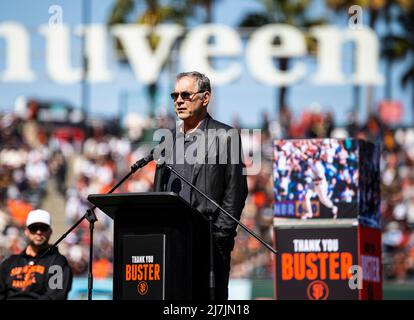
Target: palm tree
[
  {"x": 283, "y": 12},
  {"x": 394, "y": 48},
  {"x": 119, "y": 13},
  {"x": 373, "y": 7},
  {"x": 207, "y": 5},
  {"x": 176, "y": 11},
  {"x": 392, "y": 45},
  {"x": 407, "y": 22},
  {"x": 155, "y": 13}
]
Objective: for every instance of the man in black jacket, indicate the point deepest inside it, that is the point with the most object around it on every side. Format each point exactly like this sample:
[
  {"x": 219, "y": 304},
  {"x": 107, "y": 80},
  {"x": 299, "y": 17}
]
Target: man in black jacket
[
  {"x": 209, "y": 154},
  {"x": 31, "y": 276}
]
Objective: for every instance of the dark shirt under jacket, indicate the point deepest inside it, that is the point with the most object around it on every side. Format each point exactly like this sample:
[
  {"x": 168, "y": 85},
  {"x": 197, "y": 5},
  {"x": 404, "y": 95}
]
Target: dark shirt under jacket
[{"x": 174, "y": 183}]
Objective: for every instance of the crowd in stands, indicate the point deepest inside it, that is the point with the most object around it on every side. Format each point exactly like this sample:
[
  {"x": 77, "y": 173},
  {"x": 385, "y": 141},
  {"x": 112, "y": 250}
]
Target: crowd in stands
[
  {"x": 298, "y": 163},
  {"x": 32, "y": 156}
]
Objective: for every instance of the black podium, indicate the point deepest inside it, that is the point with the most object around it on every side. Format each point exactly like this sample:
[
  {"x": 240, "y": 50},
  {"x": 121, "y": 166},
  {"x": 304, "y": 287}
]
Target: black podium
[{"x": 161, "y": 246}]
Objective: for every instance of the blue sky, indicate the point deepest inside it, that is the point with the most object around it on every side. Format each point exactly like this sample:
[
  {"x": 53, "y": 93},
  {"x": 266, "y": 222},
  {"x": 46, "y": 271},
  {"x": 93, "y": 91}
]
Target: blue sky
[{"x": 245, "y": 97}]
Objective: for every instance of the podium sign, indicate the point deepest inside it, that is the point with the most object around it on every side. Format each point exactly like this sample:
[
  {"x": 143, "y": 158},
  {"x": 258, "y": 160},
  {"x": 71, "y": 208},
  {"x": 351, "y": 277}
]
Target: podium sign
[
  {"x": 328, "y": 262},
  {"x": 160, "y": 246},
  {"x": 143, "y": 267}
]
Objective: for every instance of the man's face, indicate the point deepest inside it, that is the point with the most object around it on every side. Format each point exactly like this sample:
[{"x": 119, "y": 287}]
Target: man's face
[
  {"x": 38, "y": 234},
  {"x": 193, "y": 105}
]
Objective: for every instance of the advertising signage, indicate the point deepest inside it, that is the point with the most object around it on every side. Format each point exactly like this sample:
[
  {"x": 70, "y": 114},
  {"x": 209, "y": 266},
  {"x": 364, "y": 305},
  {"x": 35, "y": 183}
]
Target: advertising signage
[{"x": 196, "y": 50}]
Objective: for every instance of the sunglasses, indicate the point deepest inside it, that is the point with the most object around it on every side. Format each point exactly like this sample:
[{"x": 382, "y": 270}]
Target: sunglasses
[
  {"x": 185, "y": 95},
  {"x": 41, "y": 227}
]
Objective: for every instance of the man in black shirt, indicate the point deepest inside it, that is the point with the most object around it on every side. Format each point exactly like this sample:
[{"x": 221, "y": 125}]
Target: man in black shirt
[{"x": 31, "y": 276}]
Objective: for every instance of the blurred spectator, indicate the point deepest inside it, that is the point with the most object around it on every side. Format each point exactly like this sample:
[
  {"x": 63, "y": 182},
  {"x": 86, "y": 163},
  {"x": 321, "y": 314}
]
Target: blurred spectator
[{"x": 58, "y": 169}]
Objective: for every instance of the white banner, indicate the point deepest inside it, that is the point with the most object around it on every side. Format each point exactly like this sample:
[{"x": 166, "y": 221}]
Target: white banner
[{"x": 196, "y": 52}]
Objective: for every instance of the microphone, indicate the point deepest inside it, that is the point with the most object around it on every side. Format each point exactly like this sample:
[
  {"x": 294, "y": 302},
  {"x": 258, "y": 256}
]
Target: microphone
[{"x": 143, "y": 162}]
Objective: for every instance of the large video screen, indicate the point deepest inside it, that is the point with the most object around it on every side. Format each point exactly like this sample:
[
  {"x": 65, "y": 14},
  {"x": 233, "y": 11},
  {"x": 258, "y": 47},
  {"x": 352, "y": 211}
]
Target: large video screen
[{"x": 316, "y": 178}]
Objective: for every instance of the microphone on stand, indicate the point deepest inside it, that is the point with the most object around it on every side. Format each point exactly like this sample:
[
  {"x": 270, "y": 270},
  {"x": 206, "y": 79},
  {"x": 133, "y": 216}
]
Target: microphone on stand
[
  {"x": 91, "y": 217},
  {"x": 143, "y": 162}
]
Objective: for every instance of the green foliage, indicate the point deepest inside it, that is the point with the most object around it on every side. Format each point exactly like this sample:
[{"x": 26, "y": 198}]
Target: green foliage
[{"x": 119, "y": 11}]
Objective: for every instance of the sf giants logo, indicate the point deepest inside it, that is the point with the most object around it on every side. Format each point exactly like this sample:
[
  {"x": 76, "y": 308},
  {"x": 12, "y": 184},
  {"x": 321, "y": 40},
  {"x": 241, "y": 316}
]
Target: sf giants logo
[
  {"x": 142, "y": 288},
  {"x": 317, "y": 290}
]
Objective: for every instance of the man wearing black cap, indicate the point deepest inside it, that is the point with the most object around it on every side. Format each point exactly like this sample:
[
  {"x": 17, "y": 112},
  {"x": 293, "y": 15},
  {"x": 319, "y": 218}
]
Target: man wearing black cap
[{"x": 31, "y": 275}]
